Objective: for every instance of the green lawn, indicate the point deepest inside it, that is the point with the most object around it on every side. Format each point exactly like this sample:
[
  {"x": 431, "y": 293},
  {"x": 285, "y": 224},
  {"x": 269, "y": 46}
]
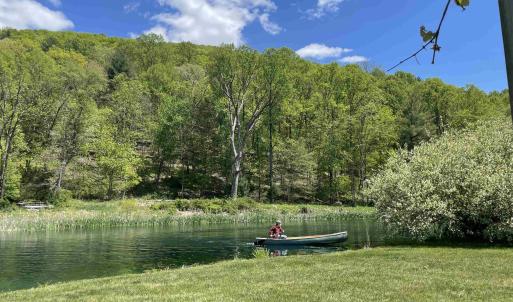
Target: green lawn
[
  {"x": 382, "y": 274},
  {"x": 93, "y": 214}
]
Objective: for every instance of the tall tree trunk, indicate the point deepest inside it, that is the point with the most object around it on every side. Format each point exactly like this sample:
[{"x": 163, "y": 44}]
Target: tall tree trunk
[
  {"x": 236, "y": 175},
  {"x": 238, "y": 71},
  {"x": 506, "y": 11},
  {"x": 60, "y": 176}
]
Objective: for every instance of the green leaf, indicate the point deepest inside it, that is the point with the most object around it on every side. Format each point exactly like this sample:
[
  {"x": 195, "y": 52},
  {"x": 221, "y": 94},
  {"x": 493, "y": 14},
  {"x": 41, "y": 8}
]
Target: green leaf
[
  {"x": 425, "y": 34},
  {"x": 462, "y": 3}
]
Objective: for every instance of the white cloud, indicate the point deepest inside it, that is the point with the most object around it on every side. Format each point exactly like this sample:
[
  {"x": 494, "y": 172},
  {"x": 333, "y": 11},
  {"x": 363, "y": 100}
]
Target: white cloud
[
  {"x": 131, "y": 7},
  {"x": 323, "y": 7},
  {"x": 212, "y": 22},
  {"x": 354, "y": 59},
  {"x": 158, "y": 30},
  {"x": 268, "y": 25},
  {"x": 329, "y": 4},
  {"x": 321, "y": 51},
  {"x": 132, "y": 35},
  {"x": 29, "y": 14}
]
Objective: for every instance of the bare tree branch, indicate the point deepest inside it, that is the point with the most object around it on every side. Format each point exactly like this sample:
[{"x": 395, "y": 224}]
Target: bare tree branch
[{"x": 433, "y": 40}]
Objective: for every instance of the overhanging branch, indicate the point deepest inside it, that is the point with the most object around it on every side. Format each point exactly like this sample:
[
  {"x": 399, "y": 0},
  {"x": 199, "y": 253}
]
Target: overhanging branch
[{"x": 433, "y": 40}]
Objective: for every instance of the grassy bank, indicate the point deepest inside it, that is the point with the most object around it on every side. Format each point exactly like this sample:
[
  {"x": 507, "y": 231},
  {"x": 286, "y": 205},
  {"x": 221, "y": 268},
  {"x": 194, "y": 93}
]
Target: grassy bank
[
  {"x": 383, "y": 274},
  {"x": 81, "y": 214}
]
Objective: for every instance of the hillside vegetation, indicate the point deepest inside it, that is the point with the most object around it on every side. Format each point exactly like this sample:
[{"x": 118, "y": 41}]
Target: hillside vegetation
[{"x": 87, "y": 116}]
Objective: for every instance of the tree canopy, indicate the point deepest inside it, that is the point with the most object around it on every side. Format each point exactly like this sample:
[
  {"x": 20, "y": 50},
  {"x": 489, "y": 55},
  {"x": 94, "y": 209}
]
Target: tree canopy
[{"x": 99, "y": 117}]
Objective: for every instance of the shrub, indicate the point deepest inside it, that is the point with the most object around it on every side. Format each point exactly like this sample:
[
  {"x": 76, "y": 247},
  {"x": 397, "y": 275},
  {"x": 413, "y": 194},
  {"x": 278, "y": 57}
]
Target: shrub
[
  {"x": 12, "y": 183},
  {"x": 184, "y": 205},
  {"x": 230, "y": 207},
  {"x": 215, "y": 206},
  {"x": 243, "y": 204},
  {"x": 233, "y": 206},
  {"x": 261, "y": 253},
  {"x": 128, "y": 205},
  {"x": 458, "y": 186},
  {"x": 164, "y": 206},
  {"x": 201, "y": 205},
  {"x": 207, "y": 206},
  {"x": 305, "y": 210},
  {"x": 61, "y": 198},
  {"x": 5, "y": 205}
]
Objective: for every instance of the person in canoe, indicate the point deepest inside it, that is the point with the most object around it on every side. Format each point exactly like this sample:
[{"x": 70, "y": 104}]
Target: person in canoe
[{"x": 276, "y": 231}]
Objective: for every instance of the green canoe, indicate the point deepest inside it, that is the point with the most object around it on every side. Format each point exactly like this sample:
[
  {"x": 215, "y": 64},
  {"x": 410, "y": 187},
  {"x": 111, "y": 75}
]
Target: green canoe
[{"x": 305, "y": 240}]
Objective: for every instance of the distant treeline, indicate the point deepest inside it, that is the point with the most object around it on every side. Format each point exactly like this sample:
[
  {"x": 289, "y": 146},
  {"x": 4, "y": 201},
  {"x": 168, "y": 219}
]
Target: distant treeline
[{"x": 97, "y": 117}]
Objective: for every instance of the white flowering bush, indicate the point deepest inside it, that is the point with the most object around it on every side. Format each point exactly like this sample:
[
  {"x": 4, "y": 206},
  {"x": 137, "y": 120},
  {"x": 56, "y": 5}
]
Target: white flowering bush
[{"x": 460, "y": 185}]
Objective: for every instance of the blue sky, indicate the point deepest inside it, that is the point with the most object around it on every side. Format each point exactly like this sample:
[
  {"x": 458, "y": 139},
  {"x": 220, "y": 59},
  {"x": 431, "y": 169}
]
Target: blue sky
[{"x": 380, "y": 31}]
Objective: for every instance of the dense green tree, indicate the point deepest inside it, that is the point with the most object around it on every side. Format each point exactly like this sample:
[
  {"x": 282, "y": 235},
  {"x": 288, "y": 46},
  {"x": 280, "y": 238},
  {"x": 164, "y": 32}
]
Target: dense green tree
[
  {"x": 189, "y": 120},
  {"x": 116, "y": 161},
  {"x": 329, "y": 129},
  {"x": 101, "y": 117},
  {"x": 120, "y": 64},
  {"x": 130, "y": 100},
  {"x": 294, "y": 166},
  {"x": 25, "y": 90},
  {"x": 365, "y": 110},
  {"x": 80, "y": 83}
]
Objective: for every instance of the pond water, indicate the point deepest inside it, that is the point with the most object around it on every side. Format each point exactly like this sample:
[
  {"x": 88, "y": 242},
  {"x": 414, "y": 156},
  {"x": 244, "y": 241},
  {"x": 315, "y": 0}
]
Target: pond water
[{"x": 30, "y": 259}]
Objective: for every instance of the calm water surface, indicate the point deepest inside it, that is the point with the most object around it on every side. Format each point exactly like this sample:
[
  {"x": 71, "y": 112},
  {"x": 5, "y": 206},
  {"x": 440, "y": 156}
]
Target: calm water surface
[{"x": 30, "y": 259}]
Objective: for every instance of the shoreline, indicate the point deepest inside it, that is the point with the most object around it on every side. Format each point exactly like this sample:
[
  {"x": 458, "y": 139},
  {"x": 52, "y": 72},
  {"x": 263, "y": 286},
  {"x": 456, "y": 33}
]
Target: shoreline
[
  {"x": 93, "y": 215},
  {"x": 385, "y": 273}
]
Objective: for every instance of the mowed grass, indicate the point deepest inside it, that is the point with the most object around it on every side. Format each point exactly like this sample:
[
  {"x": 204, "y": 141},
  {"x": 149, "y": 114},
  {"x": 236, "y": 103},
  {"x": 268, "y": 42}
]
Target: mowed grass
[
  {"x": 81, "y": 214},
  {"x": 382, "y": 274}
]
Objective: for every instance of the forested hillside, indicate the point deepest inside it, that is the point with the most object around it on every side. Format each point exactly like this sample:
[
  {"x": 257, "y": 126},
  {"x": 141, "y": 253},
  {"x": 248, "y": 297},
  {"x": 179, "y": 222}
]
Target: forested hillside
[{"x": 94, "y": 117}]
